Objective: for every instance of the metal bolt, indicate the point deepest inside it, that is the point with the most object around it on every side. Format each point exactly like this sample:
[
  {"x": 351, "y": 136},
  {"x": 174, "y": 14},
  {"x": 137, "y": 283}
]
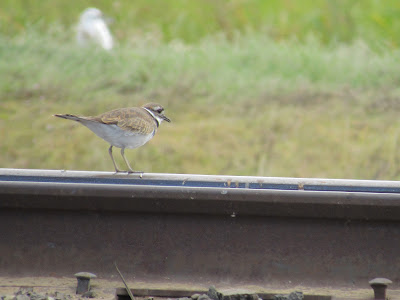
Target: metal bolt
[
  {"x": 379, "y": 285},
  {"x": 83, "y": 281}
]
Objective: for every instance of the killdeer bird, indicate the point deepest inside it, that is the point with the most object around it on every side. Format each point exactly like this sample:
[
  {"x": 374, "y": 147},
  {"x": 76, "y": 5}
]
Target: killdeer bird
[{"x": 129, "y": 127}]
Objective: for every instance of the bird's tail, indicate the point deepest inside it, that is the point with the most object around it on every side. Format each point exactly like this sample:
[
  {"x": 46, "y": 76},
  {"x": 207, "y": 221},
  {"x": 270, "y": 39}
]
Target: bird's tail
[{"x": 69, "y": 117}]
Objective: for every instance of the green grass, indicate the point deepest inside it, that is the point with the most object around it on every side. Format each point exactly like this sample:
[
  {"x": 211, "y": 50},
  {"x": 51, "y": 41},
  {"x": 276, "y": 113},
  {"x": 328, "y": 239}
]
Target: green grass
[
  {"x": 247, "y": 105},
  {"x": 373, "y": 21}
]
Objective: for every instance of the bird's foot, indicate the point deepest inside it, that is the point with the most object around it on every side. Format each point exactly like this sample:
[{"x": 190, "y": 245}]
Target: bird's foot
[
  {"x": 138, "y": 172},
  {"x": 130, "y": 171}
]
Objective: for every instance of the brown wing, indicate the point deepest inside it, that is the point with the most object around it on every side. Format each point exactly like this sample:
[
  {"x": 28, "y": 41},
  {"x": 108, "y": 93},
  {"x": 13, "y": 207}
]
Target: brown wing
[{"x": 132, "y": 119}]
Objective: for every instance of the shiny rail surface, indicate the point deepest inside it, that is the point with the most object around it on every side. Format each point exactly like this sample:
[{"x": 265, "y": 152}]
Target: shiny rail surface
[
  {"x": 200, "y": 227},
  {"x": 194, "y": 180}
]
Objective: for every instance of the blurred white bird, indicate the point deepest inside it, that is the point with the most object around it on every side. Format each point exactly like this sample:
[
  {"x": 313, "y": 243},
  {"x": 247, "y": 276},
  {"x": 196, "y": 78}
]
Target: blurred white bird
[{"x": 93, "y": 29}]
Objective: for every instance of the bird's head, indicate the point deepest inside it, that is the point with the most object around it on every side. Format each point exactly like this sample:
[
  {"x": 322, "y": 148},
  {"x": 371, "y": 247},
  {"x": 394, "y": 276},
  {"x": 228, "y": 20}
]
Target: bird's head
[
  {"x": 91, "y": 13},
  {"x": 157, "y": 111}
]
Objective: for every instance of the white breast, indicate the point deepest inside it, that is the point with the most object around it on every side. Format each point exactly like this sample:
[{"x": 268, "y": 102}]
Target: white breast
[{"x": 118, "y": 137}]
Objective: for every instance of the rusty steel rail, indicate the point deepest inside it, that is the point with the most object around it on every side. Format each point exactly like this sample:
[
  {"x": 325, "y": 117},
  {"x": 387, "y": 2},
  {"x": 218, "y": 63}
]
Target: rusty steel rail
[
  {"x": 200, "y": 227},
  {"x": 196, "y": 194}
]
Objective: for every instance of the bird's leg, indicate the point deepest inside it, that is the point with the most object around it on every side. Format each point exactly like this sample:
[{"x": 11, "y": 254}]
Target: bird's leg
[
  {"x": 127, "y": 163},
  {"x": 115, "y": 165}
]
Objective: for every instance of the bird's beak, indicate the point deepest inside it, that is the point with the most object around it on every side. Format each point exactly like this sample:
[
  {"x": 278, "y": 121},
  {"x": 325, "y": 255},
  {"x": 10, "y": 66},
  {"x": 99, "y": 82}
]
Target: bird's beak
[{"x": 165, "y": 118}]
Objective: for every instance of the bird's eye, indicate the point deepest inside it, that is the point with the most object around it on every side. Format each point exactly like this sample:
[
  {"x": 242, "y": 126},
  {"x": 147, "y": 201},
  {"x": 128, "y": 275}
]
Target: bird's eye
[{"x": 160, "y": 110}]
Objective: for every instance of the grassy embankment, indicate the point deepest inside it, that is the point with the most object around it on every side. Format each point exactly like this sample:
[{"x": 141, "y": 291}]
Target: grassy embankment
[{"x": 245, "y": 105}]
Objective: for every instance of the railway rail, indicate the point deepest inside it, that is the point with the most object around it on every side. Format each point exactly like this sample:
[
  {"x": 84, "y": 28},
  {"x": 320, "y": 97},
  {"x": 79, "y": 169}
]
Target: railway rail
[{"x": 200, "y": 228}]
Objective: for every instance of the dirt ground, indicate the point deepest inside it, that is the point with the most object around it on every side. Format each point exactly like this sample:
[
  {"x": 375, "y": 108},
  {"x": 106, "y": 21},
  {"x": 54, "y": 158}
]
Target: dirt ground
[{"x": 105, "y": 289}]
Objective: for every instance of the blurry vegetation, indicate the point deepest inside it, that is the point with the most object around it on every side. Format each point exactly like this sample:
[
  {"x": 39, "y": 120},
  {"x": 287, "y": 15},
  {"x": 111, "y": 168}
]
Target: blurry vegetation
[
  {"x": 373, "y": 21},
  {"x": 269, "y": 88}
]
